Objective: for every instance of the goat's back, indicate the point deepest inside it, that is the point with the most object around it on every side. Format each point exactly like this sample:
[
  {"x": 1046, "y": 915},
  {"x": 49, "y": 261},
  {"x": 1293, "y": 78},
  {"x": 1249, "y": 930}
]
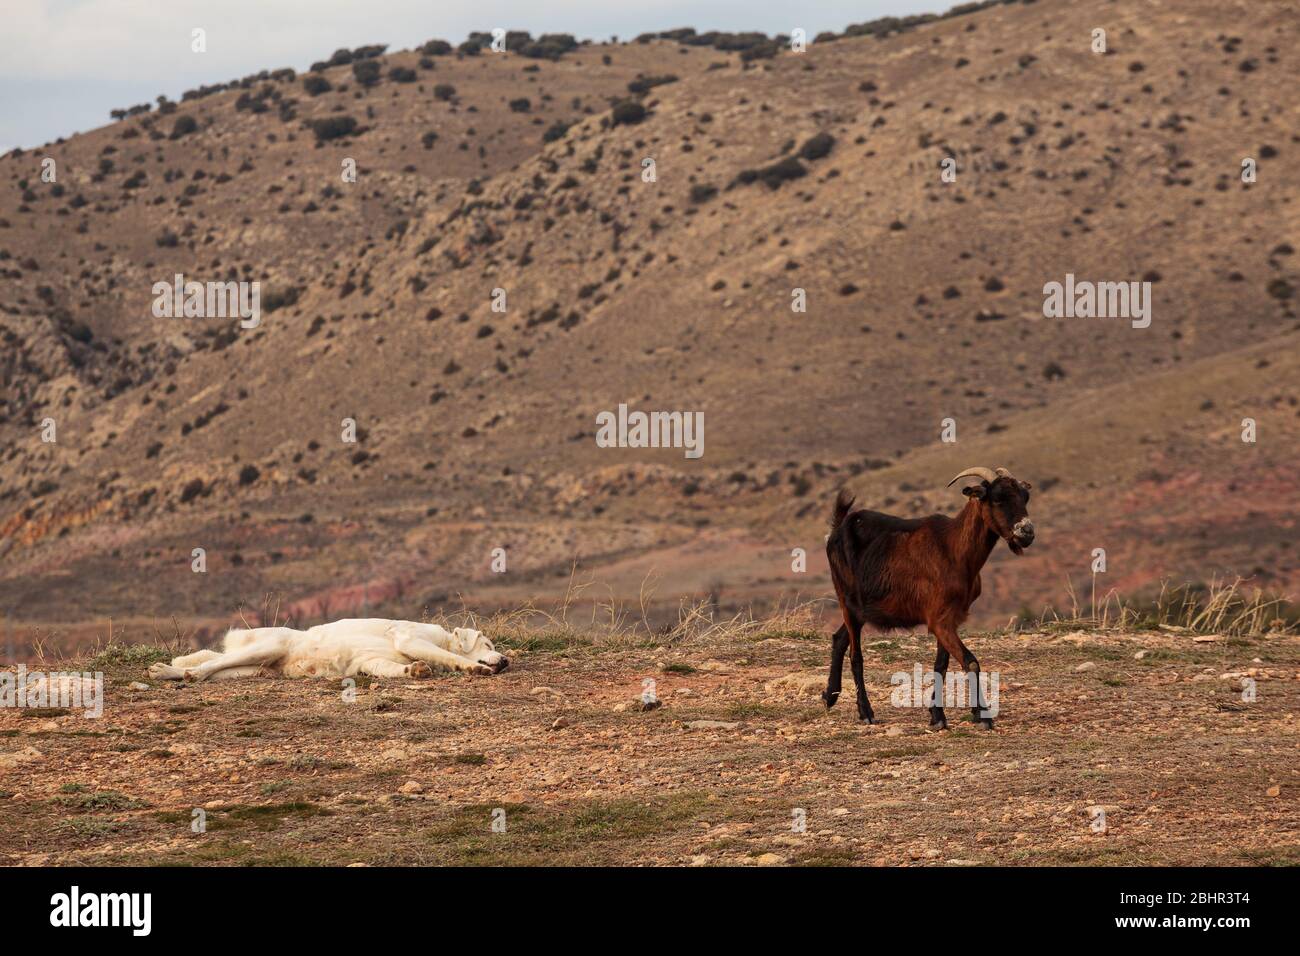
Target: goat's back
[{"x": 878, "y": 561}]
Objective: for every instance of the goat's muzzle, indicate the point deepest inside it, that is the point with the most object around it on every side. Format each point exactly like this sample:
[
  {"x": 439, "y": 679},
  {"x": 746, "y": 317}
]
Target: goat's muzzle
[{"x": 1022, "y": 535}]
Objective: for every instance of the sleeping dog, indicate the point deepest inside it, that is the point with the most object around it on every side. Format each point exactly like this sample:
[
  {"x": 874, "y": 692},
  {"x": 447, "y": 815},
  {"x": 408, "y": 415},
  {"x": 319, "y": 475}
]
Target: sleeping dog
[{"x": 372, "y": 646}]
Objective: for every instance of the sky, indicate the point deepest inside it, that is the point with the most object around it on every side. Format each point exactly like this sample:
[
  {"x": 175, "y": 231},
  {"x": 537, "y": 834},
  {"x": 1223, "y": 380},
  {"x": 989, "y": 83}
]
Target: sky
[{"x": 67, "y": 63}]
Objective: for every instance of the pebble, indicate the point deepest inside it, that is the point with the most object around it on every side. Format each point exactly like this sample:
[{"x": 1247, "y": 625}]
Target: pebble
[
  {"x": 1085, "y": 666},
  {"x": 412, "y": 786},
  {"x": 712, "y": 724}
]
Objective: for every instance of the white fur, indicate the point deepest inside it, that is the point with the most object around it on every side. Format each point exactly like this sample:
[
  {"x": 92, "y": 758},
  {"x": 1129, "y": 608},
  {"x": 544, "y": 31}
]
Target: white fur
[{"x": 374, "y": 646}]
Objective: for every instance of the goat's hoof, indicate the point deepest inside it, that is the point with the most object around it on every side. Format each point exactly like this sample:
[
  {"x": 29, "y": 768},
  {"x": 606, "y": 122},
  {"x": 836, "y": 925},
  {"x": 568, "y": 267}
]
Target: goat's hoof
[
  {"x": 829, "y": 698},
  {"x": 938, "y": 723},
  {"x": 986, "y": 723},
  {"x": 867, "y": 714}
]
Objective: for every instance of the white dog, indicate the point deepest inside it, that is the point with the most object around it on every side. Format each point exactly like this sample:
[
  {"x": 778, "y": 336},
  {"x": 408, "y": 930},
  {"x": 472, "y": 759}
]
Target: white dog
[{"x": 372, "y": 646}]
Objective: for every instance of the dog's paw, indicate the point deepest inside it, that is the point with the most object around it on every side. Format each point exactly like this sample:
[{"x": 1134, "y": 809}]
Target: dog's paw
[
  {"x": 164, "y": 672},
  {"x": 420, "y": 669},
  {"x": 482, "y": 670}
]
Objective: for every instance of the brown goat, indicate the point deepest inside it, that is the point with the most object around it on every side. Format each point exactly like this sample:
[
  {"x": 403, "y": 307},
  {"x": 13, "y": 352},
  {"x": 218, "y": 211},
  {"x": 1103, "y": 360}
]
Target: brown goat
[{"x": 905, "y": 572}]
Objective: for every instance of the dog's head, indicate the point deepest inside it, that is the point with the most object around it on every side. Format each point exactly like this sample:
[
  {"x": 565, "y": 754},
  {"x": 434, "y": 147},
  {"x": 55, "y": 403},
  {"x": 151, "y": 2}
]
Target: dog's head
[{"x": 473, "y": 644}]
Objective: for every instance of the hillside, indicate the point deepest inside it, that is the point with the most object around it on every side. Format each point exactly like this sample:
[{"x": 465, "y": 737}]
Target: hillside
[{"x": 818, "y": 171}]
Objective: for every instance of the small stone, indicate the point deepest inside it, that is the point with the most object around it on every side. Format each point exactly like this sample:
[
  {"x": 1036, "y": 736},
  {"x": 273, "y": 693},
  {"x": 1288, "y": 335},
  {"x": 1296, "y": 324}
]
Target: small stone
[
  {"x": 136, "y": 685},
  {"x": 1085, "y": 666},
  {"x": 412, "y": 786},
  {"x": 1205, "y": 638},
  {"x": 1273, "y": 791},
  {"x": 1140, "y": 655},
  {"x": 560, "y": 723},
  {"x": 712, "y": 724},
  {"x": 770, "y": 859}
]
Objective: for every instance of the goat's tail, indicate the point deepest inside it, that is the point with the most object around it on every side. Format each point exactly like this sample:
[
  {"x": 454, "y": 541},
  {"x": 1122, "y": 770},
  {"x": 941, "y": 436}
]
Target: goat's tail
[{"x": 843, "y": 504}]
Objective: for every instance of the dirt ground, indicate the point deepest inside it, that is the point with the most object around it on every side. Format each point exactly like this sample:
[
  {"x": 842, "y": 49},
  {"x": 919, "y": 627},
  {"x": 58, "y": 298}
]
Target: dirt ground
[{"x": 1150, "y": 760}]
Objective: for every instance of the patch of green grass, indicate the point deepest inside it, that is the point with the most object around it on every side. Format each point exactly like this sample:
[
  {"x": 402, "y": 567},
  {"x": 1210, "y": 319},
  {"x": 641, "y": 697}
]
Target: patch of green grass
[
  {"x": 271, "y": 816},
  {"x": 91, "y": 827},
  {"x": 99, "y": 800},
  {"x": 595, "y": 832},
  {"x": 825, "y": 855},
  {"x": 542, "y": 641},
  {"x": 165, "y": 727},
  {"x": 43, "y": 711},
  {"x": 128, "y": 655},
  {"x": 676, "y": 668},
  {"x": 790, "y": 634},
  {"x": 311, "y": 762}
]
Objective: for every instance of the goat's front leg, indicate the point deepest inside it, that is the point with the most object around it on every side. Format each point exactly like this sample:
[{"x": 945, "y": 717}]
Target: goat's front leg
[
  {"x": 937, "y": 720},
  {"x": 835, "y": 680},
  {"x": 979, "y": 711},
  {"x": 950, "y": 641}
]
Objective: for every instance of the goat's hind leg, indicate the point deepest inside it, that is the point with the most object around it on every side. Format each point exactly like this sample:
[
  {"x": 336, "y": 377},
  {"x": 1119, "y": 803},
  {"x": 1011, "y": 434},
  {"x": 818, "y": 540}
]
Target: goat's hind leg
[
  {"x": 835, "y": 680},
  {"x": 855, "y": 661}
]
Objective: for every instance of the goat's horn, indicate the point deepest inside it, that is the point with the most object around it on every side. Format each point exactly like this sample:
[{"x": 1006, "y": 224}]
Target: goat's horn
[
  {"x": 984, "y": 474},
  {"x": 1003, "y": 473}
]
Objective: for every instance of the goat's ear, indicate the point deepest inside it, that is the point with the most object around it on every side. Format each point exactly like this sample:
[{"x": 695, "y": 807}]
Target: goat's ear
[
  {"x": 1026, "y": 485},
  {"x": 975, "y": 491}
]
